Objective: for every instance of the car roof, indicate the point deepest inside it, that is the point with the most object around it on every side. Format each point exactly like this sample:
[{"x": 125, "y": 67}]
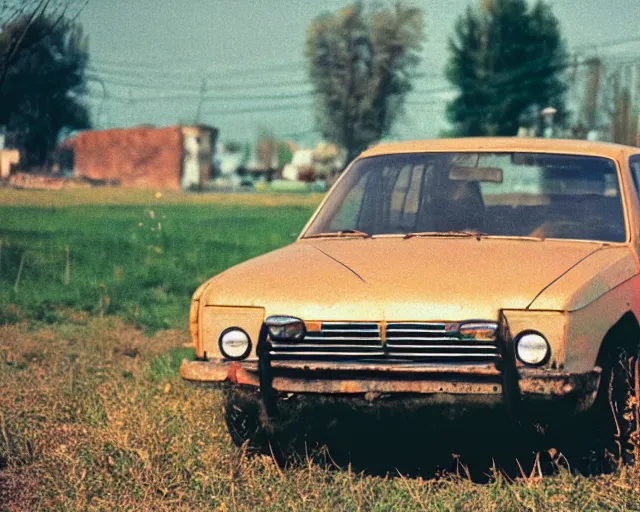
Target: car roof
[{"x": 504, "y": 144}]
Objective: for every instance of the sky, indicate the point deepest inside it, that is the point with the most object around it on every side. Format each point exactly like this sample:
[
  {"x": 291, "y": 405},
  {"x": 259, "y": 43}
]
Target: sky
[{"x": 239, "y": 64}]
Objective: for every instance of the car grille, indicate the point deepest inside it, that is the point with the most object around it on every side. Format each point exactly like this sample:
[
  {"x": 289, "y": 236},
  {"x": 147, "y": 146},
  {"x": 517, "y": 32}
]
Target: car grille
[
  {"x": 424, "y": 342},
  {"x": 433, "y": 342},
  {"x": 335, "y": 340}
]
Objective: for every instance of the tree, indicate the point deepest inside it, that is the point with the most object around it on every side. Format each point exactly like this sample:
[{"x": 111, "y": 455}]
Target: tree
[
  {"x": 233, "y": 146},
  {"x": 285, "y": 153},
  {"x": 267, "y": 150},
  {"x": 361, "y": 65},
  {"x": 506, "y": 62},
  {"x": 30, "y": 11},
  {"x": 41, "y": 94}
]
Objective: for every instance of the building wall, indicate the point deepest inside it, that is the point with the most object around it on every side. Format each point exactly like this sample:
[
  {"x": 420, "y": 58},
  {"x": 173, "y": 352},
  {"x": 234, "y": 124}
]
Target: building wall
[
  {"x": 198, "y": 147},
  {"x": 136, "y": 157},
  {"x": 8, "y": 157}
]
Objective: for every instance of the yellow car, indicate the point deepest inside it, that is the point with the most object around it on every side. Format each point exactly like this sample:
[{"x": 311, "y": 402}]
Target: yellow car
[{"x": 493, "y": 272}]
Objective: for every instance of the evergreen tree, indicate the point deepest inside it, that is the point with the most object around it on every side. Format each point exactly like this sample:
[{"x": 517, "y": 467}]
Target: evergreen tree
[{"x": 507, "y": 62}]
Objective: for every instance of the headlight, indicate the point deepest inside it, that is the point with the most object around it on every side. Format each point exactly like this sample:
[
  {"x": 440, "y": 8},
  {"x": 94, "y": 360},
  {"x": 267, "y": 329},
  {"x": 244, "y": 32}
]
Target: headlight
[
  {"x": 481, "y": 331},
  {"x": 234, "y": 343},
  {"x": 285, "y": 328},
  {"x": 532, "y": 348}
]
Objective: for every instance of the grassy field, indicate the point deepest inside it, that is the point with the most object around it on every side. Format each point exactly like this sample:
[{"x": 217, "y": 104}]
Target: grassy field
[
  {"x": 94, "y": 417},
  {"x": 130, "y": 253}
]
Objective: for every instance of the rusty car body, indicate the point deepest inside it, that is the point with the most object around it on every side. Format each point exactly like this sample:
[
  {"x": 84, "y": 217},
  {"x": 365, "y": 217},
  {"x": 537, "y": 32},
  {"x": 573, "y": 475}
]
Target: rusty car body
[{"x": 458, "y": 281}]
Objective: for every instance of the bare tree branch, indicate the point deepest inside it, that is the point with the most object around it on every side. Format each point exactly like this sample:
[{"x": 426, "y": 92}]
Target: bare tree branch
[
  {"x": 15, "y": 45},
  {"x": 28, "y": 12}
]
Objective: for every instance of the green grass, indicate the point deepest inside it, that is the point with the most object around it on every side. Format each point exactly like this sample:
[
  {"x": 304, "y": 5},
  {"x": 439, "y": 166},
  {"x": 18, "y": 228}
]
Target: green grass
[
  {"x": 166, "y": 366},
  {"x": 141, "y": 262}
]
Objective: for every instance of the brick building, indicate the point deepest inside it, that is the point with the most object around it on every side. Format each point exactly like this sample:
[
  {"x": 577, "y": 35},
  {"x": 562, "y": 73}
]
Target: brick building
[{"x": 171, "y": 158}]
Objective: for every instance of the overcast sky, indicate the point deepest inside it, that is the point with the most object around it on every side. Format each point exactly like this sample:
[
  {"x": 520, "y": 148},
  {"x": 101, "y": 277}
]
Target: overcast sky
[{"x": 155, "y": 56}]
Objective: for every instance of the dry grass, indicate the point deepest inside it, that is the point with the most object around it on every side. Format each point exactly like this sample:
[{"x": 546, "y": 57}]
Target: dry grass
[{"x": 94, "y": 417}]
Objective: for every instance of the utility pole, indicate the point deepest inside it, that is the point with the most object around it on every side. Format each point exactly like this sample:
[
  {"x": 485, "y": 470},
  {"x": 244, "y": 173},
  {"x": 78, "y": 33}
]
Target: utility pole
[
  {"x": 131, "y": 109},
  {"x": 622, "y": 118},
  {"x": 97, "y": 79},
  {"x": 203, "y": 90},
  {"x": 592, "y": 92}
]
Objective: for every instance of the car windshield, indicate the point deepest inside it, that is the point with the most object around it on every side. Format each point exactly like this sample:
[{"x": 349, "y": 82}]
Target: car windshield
[{"x": 484, "y": 194}]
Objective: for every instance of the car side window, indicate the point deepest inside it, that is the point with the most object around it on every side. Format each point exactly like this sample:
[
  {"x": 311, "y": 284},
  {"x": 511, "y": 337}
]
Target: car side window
[
  {"x": 634, "y": 165},
  {"x": 405, "y": 198},
  {"x": 348, "y": 217}
]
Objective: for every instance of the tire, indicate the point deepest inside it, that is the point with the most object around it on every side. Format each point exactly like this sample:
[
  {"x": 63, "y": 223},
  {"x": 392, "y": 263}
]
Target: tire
[
  {"x": 242, "y": 417},
  {"x": 606, "y": 437},
  {"x": 622, "y": 393}
]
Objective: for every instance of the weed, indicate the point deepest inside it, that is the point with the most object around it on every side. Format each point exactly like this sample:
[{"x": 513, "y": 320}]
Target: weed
[{"x": 166, "y": 366}]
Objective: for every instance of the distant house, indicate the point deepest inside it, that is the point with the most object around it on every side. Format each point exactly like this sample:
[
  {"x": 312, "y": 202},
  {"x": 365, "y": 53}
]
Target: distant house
[
  {"x": 174, "y": 158},
  {"x": 302, "y": 161},
  {"x": 229, "y": 161},
  {"x": 320, "y": 163},
  {"x": 8, "y": 158}
]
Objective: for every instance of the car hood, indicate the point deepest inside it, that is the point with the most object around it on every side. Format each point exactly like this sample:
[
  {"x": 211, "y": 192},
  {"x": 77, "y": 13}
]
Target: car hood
[{"x": 398, "y": 279}]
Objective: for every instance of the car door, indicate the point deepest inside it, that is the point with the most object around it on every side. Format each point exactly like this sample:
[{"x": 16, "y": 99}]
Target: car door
[{"x": 634, "y": 168}]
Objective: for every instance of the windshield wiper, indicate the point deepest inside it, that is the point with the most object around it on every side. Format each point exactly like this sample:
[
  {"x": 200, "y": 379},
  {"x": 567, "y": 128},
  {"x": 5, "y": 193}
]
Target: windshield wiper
[
  {"x": 352, "y": 233},
  {"x": 461, "y": 234}
]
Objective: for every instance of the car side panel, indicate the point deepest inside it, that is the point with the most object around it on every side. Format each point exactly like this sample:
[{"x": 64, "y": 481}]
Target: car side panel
[
  {"x": 592, "y": 278},
  {"x": 587, "y": 327}
]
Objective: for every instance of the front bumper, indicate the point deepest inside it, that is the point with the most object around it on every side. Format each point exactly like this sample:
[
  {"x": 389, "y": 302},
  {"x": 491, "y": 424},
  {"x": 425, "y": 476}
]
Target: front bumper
[{"x": 472, "y": 384}]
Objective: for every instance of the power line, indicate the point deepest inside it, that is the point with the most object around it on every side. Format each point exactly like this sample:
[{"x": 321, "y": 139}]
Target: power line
[
  {"x": 206, "y": 97},
  {"x": 502, "y": 81},
  {"x": 609, "y": 43},
  {"x": 624, "y": 61},
  {"x": 140, "y": 85},
  {"x": 164, "y": 69},
  {"x": 179, "y": 79},
  {"x": 435, "y": 90},
  {"x": 499, "y": 78},
  {"x": 143, "y": 99},
  {"x": 235, "y": 86},
  {"x": 124, "y": 68},
  {"x": 134, "y": 79},
  {"x": 259, "y": 109},
  {"x": 261, "y": 85},
  {"x": 427, "y": 103},
  {"x": 291, "y": 96},
  {"x": 299, "y": 134},
  {"x": 242, "y": 86},
  {"x": 203, "y": 91}
]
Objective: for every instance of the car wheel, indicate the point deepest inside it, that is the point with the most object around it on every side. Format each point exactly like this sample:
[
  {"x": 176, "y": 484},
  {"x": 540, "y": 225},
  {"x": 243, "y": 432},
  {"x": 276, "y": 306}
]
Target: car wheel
[
  {"x": 606, "y": 436},
  {"x": 610, "y": 433},
  {"x": 242, "y": 417},
  {"x": 623, "y": 392}
]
